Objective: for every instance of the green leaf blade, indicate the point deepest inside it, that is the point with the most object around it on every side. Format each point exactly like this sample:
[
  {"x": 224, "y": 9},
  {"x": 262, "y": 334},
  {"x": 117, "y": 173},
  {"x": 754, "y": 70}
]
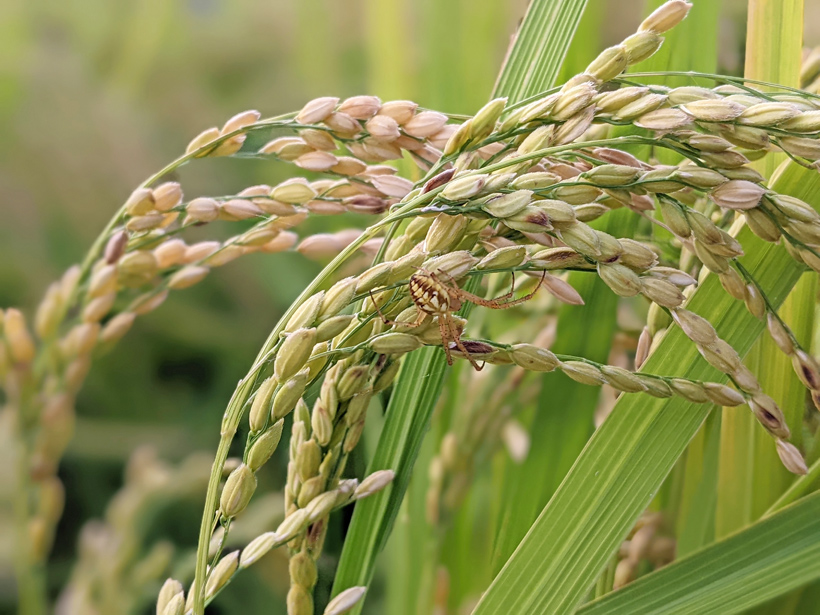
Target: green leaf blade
[
  {"x": 539, "y": 49},
  {"x": 408, "y": 419},
  {"x": 749, "y": 568}
]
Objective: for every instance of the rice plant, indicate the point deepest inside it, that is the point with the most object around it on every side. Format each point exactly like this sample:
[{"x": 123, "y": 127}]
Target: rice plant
[{"x": 659, "y": 241}]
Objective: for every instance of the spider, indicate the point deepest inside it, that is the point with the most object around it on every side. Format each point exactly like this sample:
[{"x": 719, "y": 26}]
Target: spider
[{"x": 437, "y": 294}]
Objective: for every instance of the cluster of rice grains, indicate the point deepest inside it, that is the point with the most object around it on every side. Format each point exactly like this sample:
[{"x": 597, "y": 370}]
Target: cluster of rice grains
[
  {"x": 118, "y": 556},
  {"x": 510, "y": 190}
]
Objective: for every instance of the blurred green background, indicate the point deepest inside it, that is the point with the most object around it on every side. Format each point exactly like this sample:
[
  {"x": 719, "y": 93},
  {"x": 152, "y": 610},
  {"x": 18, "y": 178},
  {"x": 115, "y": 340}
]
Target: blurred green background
[{"x": 97, "y": 95}]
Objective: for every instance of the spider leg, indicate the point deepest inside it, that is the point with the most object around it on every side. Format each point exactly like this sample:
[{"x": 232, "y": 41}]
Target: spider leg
[
  {"x": 460, "y": 345},
  {"x": 418, "y": 322},
  {"x": 384, "y": 318},
  {"x": 510, "y": 294},
  {"x": 444, "y": 274},
  {"x": 528, "y": 296},
  {"x": 468, "y": 296},
  {"x": 499, "y": 303},
  {"x": 446, "y": 332}
]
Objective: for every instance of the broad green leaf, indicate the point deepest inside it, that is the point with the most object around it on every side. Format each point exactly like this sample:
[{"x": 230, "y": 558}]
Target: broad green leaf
[
  {"x": 802, "y": 601},
  {"x": 695, "y": 514},
  {"x": 532, "y": 66},
  {"x": 518, "y": 502},
  {"x": 412, "y": 551},
  {"x": 774, "y": 25},
  {"x": 757, "y": 564},
  {"x": 627, "y": 459},
  {"x": 468, "y": 33},
  {"x": 809, "y": 601},
  {"x": 805, "y": 484}
]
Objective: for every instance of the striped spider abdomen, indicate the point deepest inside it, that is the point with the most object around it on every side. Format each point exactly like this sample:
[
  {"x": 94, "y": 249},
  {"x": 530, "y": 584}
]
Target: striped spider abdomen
[{"x": 431, "y": 295}]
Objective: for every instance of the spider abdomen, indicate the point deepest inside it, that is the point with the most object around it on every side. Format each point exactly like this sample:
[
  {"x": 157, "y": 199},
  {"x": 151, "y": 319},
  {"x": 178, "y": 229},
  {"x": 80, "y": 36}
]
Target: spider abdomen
[{"x": 430, "y": 295}]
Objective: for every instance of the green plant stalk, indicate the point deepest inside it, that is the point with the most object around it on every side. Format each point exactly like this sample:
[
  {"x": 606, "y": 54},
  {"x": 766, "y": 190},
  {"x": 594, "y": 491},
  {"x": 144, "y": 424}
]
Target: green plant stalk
[
  {"x": 627, "y": 459},
  {"x": 750, "y": 475},
  {"x": 774, "y": 53},
  {"x": 774, "y": 50},
  {"x": 524, "y": 74}
]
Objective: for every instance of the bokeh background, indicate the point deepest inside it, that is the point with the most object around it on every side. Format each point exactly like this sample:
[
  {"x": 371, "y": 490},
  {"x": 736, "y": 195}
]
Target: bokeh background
[{"x": 97, "y": 95}]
